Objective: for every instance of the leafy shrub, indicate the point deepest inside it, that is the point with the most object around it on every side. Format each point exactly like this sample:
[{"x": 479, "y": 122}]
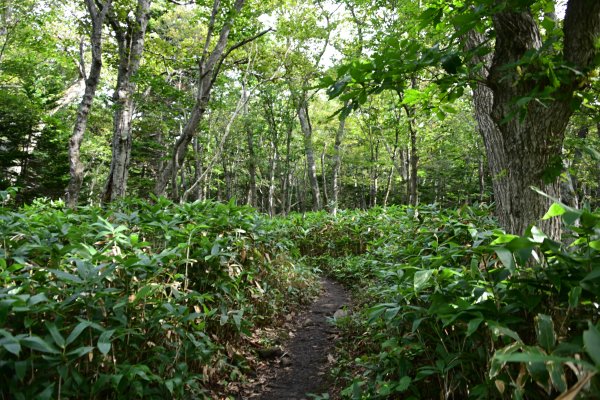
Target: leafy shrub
[
  {"x": 135, "y": 301},
  {"x": 450, "y": 307}
]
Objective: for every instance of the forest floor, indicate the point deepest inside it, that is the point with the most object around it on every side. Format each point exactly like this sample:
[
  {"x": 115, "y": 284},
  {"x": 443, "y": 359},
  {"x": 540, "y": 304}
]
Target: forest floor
[{"x": 299, "y": 367}]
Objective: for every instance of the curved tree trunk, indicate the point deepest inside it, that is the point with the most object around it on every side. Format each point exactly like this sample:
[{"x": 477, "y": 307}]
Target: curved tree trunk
[{"x": 91, "y": 83}]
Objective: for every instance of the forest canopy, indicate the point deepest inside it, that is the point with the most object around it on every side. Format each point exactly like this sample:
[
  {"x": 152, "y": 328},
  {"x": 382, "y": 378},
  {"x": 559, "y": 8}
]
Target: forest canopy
[{"x": 294, "y": 106}]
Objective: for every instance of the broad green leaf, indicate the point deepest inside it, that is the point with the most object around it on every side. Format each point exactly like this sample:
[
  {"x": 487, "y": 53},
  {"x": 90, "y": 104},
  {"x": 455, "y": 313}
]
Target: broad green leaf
[
  {"x": 422, "y": 278},
  {"x": 38, "y": 298},
  {"x": 554, "y": 211},
  {"x": 11, "y": 345},
  {"x": 557, "y": 376},
  {"x": 593, "y": 275},
  {"x": 537, "y": 358},
  {"x": 499, "y": 330},
  {"x": 56, "y": 336},
  {"x": 507, "y": 258},
  {"x": 77, "y": 331},
  {"x": 81, "y": 351},
  {"x": 104, "y": 341},
  {"x": 38, "y": 344},
  {"x": 591, "y": 343},
  {"x": 595, "y": 245},
  {"x": 65, "y": 276},
  {"x": 473, "y": 325},
  {"x": 545, "y": 331}
]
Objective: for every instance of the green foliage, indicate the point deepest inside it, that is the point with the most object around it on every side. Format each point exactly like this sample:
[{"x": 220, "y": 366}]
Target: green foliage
[
  {"x": 449, "y": 307},
  {"x": 136, "y": 301}
]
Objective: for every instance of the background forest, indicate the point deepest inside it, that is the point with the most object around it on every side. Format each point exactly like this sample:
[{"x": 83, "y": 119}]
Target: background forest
[
  {"x": 261, "y": 129},
  {"x": 175, "y": 175}
]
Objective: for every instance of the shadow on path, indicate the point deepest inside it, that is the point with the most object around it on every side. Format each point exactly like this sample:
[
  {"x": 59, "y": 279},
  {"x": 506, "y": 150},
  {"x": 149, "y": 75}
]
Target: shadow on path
[{"x": 305, "y": 361}]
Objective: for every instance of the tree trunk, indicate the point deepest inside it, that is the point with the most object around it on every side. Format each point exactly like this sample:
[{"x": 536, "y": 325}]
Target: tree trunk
[
  {"x": 309, "y": 151},
  {"x": 324, "y": 176},
  {"x": 131, "y": 47},
  {"x": 251, "y": 168},
  {"x": 524, "y": 144},
  {"x": 209, "y": 68},
  {"x": 412, "y": 183},
  {"x": 91, "y": 83},
  {"x": 337, "y": 162}
]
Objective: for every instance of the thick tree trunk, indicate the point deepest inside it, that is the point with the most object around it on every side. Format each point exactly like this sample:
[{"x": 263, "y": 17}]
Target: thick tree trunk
[
  {"x": 524, "y": 145},
  {"x": 131, "y": 47},
  {"x": 91, "y": 83},
  {"x": 309, "y": 151}
]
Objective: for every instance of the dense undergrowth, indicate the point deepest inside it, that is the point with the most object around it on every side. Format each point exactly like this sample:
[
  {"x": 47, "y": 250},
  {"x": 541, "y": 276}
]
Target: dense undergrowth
[
  {"x": 448, "y": 307},
  {"x": 138, "y": 300},
  {"x": 155, "y": 300}
]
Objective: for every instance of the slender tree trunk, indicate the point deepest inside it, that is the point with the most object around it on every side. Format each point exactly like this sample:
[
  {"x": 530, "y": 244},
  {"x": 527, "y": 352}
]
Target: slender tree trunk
[
  {"x": 91, "y": 83},
  {"x": 309, "y": 151},
  {"x": 287, "y": 174},
  {"x": 337, "y": 162},
  {"x": 131, "y": 47},
  {"x": 324, "y": 176},
  {"x": 272, "y": 168},
  {"x": 251, "y": 168},
  {"x": 413, "y": 191}
]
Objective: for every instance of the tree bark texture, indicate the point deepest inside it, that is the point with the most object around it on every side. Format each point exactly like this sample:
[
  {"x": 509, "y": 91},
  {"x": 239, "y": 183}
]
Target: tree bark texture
[
  {"x": 76, "y": 167},
  {"x": 131, "y": 46},
  {"x": 523, "y": 145}
]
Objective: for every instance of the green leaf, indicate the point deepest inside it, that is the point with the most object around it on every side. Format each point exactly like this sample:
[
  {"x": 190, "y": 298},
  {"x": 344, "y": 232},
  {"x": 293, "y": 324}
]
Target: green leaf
[
  {"x": 10, "y": 343},
  {"x": 591, "y": 343},
  {"x": 499, "y": 330},
  {"x": 144, "y": 292},
  {"x": 38, "y": 298},
  {"x": 65, "y": 276},
  {"x": 81, "y": 351},
  {"x": 38, "y": 344},
  {"x": 56, "y": 336},
  {"x": 403, "y": 384},
  {"x": 473, "y": 325},
  {"x": 507, "y": 258},
  {"x": 574, "y": 295},
  {"x": 557, "y": 376},
  {"x": 554, "y": 211},
  {"x": 595, "y": 245},
  {"x": 77, "y": 331},
  {"x": 422, "y": 278},
  {"x": 545, "y": 331},
  {"x": 104, "y": 341}
]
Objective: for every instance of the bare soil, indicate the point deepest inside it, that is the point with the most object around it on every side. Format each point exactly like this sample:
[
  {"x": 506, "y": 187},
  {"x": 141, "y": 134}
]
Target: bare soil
[{"x": 299, "y": 367}]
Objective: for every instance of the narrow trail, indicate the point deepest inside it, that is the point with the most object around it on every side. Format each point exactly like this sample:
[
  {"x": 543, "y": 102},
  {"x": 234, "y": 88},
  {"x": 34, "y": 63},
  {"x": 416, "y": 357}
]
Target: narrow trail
[{"x": 304, "y": 364}]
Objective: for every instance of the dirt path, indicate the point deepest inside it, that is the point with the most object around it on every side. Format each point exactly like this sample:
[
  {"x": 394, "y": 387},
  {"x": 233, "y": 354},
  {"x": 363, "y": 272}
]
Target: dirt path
[{"x": 301, "y": 368}]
